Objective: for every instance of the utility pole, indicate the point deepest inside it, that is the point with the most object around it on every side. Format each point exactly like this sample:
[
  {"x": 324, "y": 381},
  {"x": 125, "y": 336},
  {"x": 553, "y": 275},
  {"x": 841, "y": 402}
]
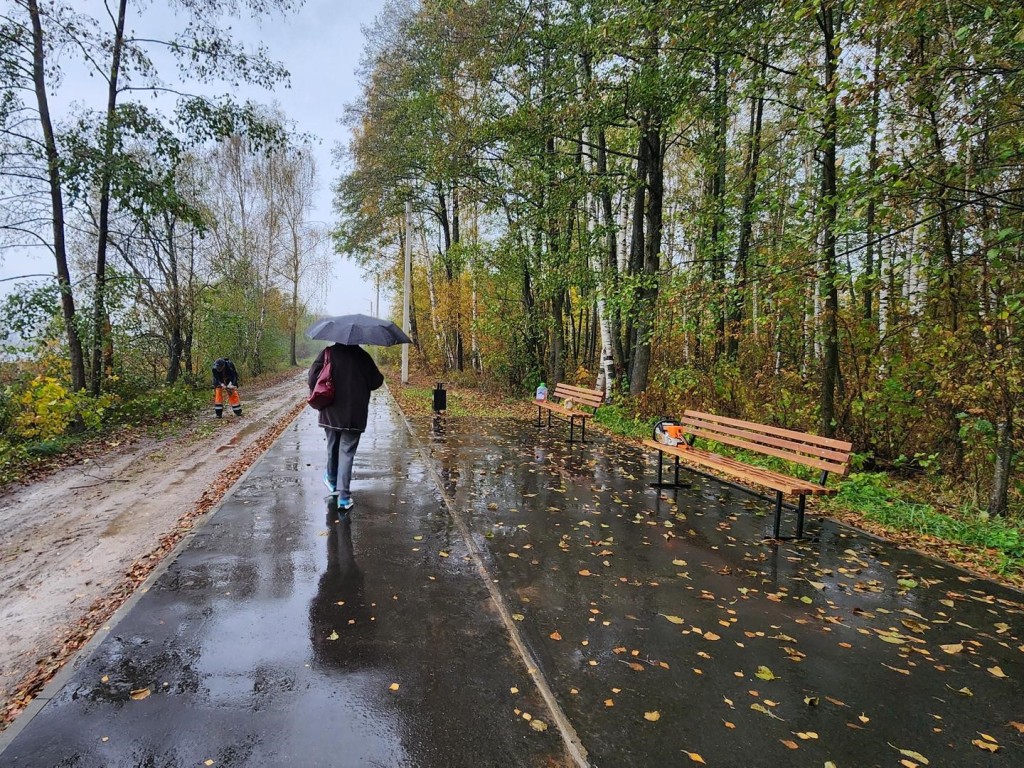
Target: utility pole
[{"x": 408, "y": 289}]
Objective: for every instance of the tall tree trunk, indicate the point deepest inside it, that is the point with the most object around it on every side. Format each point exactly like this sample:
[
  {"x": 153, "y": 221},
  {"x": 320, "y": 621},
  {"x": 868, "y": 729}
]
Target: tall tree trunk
[
  {"x": 829, "y": 24},
  {"x": 648, "y": 299},
  {"x": 739, "y": 291},
  {"x": 869, "y": 279},
  {"x": 100, "y": 322},
  {"x": 1004, "y": 460},
  {"x": 721, "y": 102},
  {"x": 67, "y": 300},
  {"x": 618, "y": 355}
]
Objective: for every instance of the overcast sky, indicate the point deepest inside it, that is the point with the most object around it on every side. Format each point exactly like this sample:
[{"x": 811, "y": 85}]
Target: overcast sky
[{"x": 320, "y": 45}]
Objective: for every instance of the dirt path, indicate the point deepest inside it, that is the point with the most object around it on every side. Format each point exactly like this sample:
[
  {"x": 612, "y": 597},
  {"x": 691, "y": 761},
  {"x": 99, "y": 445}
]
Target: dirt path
[{"x": 67, "y": 542}]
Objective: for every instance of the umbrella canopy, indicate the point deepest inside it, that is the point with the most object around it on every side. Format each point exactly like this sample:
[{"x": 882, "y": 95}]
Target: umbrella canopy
[{"x": 358, "y": 329}]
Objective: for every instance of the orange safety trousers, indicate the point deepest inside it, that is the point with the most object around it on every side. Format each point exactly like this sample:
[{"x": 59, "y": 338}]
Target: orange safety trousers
[{"x": 233, "y": 400}]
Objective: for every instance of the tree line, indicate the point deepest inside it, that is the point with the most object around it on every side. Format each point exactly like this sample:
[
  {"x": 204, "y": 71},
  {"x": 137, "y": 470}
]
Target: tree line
[
  {"x": 177, "y": 221},
  {"x": 803, "y": 212}
]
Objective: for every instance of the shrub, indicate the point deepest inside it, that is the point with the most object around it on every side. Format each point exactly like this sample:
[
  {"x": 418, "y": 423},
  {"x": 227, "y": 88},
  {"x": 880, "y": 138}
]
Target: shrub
[{"x": 45, "y": 409}]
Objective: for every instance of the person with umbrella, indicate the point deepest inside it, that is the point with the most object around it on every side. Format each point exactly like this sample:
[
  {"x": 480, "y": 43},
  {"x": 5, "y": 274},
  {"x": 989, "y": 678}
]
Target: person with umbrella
[{"x": 355, "y": 376}]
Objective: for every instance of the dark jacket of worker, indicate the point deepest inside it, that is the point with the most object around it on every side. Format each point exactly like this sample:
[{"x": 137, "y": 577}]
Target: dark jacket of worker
[
  {"x": 224, "y": 372},
  {"x": 355, "y": 376}
]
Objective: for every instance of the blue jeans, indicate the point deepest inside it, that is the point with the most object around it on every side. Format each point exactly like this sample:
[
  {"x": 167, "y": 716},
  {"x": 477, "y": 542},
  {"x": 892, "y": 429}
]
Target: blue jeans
[{"x": 341, "y": 451}]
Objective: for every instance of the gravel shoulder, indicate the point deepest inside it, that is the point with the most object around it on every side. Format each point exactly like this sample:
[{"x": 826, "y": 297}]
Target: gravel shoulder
[{"x": 74, "y": 545}]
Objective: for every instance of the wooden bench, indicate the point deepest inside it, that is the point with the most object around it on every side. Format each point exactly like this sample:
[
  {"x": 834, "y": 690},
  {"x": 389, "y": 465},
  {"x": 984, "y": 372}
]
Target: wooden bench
[
  {"x": 823, "y": 453},
  {"x": 572, "y": 399}
]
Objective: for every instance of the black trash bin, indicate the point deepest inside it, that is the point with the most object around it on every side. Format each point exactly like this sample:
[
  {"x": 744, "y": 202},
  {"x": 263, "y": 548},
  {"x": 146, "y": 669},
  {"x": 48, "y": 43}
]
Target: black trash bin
[{"x": 440, "y": 398}]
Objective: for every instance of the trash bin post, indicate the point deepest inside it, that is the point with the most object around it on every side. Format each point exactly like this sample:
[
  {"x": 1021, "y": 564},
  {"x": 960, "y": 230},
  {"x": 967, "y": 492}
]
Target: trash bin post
[{"x": 440, "y": 398}]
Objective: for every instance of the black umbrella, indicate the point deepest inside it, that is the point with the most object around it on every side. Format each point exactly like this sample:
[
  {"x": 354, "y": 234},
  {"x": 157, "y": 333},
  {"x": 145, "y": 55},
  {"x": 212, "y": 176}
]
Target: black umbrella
[{"x": 358, "y": 329}]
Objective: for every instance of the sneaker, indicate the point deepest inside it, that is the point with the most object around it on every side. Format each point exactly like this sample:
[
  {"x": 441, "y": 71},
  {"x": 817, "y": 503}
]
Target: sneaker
[
  {"x": 329, "y": 484},
  {"x": 345, "y": 504}
]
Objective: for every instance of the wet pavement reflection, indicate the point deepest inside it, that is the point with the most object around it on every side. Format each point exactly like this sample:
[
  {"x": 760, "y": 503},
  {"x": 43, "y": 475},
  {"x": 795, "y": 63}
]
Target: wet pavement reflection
[
  {"x": 281, "y": 637},
  {"x": 661, "y": 624},
  {"x": 669, "y": 627}
]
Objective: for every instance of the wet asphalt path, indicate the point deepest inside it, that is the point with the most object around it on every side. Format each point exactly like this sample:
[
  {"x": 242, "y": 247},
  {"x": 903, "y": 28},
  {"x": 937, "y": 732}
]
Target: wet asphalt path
[
  {"x": 672, "y": 633},
  {"x": 659, "y": 623},
  {"x": 278, "y": 637}
]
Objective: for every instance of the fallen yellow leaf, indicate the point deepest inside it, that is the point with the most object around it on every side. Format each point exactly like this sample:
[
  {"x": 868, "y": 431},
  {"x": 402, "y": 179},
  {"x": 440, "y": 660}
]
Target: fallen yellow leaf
[
  {"x": 912, "y": 755},
  {"x": 695, "y": 757},
  {"x": 584, "y": 572},
  {"x": 654, "y": 716},
  {"x": 139, "y": 694},
  {"x": 996, "y": 672},
  {"x": 790, "y": 743},
  {"x": 952, "y": 647},
  {"x": 673, "y": 619},
  {"x": 207, "y": 762},
  {"x": 609, "y": 702},
  {"x": 763, "y": 673},
  {"x": 988, "y": 746},
  {"x": 555, "y": 635},
  {"x": 394, "y": 686},
  {"x": 538, "y": 725},
  {"x": 333, "y": 636}
]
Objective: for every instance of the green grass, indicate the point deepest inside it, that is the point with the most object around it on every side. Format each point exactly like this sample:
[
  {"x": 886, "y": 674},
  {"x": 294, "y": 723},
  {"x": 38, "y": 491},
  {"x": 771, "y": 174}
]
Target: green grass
[
  {"x": 870, "y": 495},
  {"x": 620, "y": 421},
  {"x": 420, "y": 401}
]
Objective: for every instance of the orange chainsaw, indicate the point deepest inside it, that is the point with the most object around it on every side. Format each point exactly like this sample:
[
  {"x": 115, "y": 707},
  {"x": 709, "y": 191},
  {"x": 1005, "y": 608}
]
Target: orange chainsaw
[{"x": 669, "y": 432}]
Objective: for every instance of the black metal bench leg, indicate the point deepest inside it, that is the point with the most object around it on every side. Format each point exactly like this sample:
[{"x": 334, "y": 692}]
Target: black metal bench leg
[
  {"x": 778, "y": 514},
  {"x": 677, "y": 471},
  {"x": 538, "y": 416},
  {"x": 800, "y": 516},
  {"x": 583, "y": 430},
  {"x": 572, "y": 424},
  {"x": 660, "y": 457}
]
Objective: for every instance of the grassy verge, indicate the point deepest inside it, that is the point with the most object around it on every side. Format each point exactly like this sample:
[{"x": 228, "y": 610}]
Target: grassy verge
[{"x": 967, "y": 536}]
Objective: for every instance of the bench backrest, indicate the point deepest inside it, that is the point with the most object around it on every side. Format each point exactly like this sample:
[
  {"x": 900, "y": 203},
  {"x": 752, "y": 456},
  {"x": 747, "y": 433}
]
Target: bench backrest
[
  {"x": 824, "y": 453},
  {"x": 579, "y": 395}
]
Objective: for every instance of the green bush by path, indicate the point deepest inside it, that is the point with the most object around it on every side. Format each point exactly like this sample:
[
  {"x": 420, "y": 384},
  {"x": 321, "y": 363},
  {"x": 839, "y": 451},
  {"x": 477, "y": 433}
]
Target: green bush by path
[{"x": 869, "y": 494}]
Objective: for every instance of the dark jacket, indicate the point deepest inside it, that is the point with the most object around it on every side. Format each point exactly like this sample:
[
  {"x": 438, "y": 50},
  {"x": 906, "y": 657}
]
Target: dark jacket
[
  {"x": 355, "y": 376},
  {"x": 227, "y": 373}
]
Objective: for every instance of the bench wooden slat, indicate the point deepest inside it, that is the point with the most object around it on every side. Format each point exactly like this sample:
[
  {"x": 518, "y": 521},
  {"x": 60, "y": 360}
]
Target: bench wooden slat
[
  {"x": 827, "y": 466},
  {"x": 803, "y": 437},
  {"x": 828, "y": 454},
  {"x": 589, "y": 397},
  {"x": 757, "y": 475}
]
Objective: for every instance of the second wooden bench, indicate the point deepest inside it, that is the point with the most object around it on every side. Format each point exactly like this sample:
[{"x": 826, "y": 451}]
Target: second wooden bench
[
  {"x": 569, "y": 409},
  {"x": 827, "y": 454}
]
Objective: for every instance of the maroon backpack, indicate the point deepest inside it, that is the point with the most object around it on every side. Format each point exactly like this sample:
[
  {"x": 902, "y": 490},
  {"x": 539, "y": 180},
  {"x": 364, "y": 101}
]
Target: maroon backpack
[{"x": 323, "y": 393}]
